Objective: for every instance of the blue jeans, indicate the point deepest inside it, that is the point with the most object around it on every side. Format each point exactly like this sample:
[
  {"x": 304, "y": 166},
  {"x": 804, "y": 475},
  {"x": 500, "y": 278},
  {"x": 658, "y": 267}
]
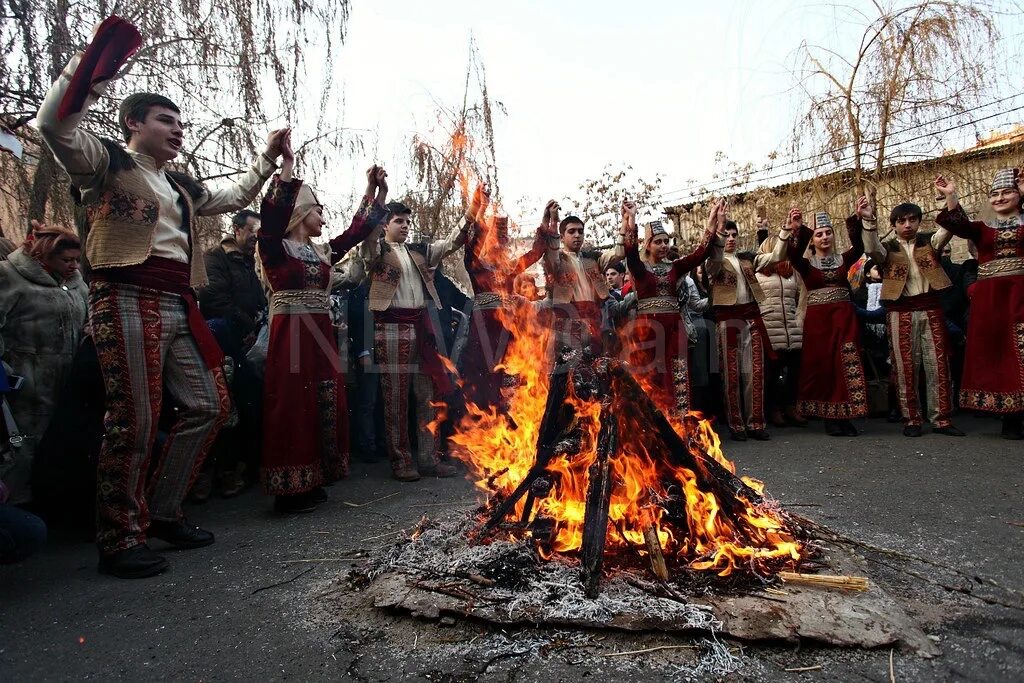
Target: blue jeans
[{"x": 21, "y": 534}]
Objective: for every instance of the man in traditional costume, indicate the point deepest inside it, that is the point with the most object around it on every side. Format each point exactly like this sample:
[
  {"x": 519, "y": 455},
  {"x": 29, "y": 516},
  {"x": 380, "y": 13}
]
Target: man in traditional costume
[
  {"x": 993, "y": 379},
  {"x": 404, "y": 303},
  {"x": 743, "y": 343},
  {"x": 144, "y": 253},
  {"x": 575, "y": 281},
  {"x": 913, "y": 280}
]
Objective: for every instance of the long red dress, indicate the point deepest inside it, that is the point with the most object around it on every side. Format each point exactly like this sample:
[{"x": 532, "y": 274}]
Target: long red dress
[
  {"x": 489, "y": 336},
  {"x": 659, "y": 348},
  {"x": 993, "y": 377},
  {"x": 305, "y": 413},
  {"x": 832, "y": 384}
]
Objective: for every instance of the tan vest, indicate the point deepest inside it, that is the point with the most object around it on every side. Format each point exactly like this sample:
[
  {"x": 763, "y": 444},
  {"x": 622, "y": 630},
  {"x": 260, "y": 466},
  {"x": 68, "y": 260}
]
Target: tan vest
[
  {"x": 387, "y": 271},
  {"x": 122, "y": 214},
  {"x": 897, "y": 267},
  {"x": 723, "y": 283},
  {"x": 561, "y": 286}
]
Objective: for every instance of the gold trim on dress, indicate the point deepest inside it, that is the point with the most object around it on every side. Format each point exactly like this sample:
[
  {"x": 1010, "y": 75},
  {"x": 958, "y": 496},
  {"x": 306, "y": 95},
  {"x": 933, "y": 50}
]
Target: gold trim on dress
[
  {"x": 1001, "y": 267},
  {"x": 300, "y": 301},
  {"x": 827, "y": 295},
  {"x": 658, "y": 304}
]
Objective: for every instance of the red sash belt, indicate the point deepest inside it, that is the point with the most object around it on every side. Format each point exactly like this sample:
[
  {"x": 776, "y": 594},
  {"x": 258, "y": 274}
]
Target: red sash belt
[
  {"x": 168, "y": 275},
  {"x": 427, "y": 342},
  {"x": 921, "y": 302},
  {"x": 749, "y": 313}
]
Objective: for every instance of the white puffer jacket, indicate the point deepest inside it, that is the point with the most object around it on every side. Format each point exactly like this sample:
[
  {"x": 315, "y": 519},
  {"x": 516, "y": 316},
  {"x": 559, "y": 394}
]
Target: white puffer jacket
[{"x": 781, "y": 310}]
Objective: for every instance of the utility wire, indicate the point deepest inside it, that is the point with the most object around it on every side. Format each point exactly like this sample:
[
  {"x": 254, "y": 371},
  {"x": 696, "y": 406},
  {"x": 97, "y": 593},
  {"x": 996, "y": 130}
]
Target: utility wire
[{"x": 755, "y": 176}]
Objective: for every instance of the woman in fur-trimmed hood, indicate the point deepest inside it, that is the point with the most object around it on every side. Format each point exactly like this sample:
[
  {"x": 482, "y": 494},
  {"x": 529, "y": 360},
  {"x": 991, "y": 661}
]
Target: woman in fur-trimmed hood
[{"x": 42, "y": 314}]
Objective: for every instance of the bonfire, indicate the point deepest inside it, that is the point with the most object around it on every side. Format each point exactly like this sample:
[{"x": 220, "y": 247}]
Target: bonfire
[{"x": 580, "y": 461}]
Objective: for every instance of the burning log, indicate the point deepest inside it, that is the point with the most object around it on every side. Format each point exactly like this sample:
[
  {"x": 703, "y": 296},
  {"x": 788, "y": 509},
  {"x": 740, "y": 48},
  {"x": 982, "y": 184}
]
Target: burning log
[
  {"x": 711, "y": 475},
  {"x": 599, "y": 495},
  {"x": 547, "y": 437},
  {"x": 657, "y": 558}
]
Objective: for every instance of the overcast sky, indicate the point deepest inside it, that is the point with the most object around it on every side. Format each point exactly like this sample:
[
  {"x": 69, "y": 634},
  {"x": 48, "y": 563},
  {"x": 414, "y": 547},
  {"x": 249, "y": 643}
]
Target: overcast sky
[{"x": 662, "y": 86}]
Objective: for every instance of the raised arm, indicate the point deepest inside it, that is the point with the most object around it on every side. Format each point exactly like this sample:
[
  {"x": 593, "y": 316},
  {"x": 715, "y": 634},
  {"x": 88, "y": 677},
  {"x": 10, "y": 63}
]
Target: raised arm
[
  {"x": 684, "y": 264},
  {"x": 368, "y": 216},
  {"x": 953, "y": 217},
  {"x": 240, "y": 193},
  {"x": 533, "y": 255},
  {"x": 618, "y": 252},
  {"x": 549, "y": 223},
  {"x": 437, "y": 250},
  {"x": 631, "y": 240},
  {"x": 716, "y": 250},
  {"x": 855, "y": 230},
  {"x": 864, "y": 221},
  {"x": 795, "y": 249}
]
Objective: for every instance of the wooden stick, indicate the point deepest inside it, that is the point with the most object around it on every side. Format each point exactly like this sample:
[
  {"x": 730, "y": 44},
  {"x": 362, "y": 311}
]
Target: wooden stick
[
  {"x": 599, "y": 496},
  {"x": 817, "y": 667},
  {"x": 852, "y": 583},
  {"x": 651, "y": 649},
  {"x": 654, "y": 553},
  {"x": 323, "y": 559},
  {"x": 369, "y": 502},
  {"x": 892, "y": 671}
]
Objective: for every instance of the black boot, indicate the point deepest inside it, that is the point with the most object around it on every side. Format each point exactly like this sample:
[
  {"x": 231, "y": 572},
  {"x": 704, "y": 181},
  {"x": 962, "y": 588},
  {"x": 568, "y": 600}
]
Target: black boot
[
  {"x": 1013, "y": 427},
  {"x": 137, "y": 562},
  {"x": 847, "y": 428},
  {"x": 759, "y": 434},
  {"x": 294, "y": 503},
  {"x": 180, "y": 534},
  {"x": 318, "y": 495},
  {"x": 833, "y": 428},
  {"x": 738, "y": 434},
  {"x": 912, "y": 430}
]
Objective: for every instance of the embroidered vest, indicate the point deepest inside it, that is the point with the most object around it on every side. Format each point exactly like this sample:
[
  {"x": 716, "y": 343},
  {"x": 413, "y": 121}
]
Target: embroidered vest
[
  {"x": 386, "y": 273},
  {"x": 723, "y": 283},
  {"x": 897, "y": 267},
  {"x": 561, "y": 284},
  {"x": 123, "y": 213}
]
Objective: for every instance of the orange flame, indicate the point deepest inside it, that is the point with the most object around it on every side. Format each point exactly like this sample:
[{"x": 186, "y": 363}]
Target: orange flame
[{"x": 500, "y": 448}]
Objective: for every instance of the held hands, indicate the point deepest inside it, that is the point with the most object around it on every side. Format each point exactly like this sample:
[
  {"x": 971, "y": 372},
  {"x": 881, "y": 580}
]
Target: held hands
[
  {"x": 549, "y": 223},
  {"x": 716, "y": 219},
  {"x": 629, "y": 229},
  {"x": 795, "y": 219},
  {"x": 947, "y": 190},
  {"x": 275, "y": 143},
  {"x": 478, "y": 205},
  {"x": 376, "y": 182},
  {"x": 865, "y": 209},
  {"x": 285, "y": 151}
]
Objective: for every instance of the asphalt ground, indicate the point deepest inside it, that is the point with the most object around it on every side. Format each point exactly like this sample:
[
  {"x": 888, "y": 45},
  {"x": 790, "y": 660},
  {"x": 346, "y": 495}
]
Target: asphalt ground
[{"x": 263, "y": 602}]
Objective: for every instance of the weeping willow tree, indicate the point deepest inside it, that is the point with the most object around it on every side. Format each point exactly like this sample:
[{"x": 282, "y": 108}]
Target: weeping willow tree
[
  {"x": 454, "y": 153},
  {"x": 235, "y": 67},
  {"x": 918, "y": 69}
]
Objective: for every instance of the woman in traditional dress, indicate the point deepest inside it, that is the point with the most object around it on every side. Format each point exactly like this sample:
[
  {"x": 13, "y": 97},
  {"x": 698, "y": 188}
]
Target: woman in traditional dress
[
  {"x": 492, "y": 274},
  {"x": 993, "y": 377},
  {"x": 831, "y": 375},
  {"x": 305, "y": 416},
  {"x": 659, "y": 343}
]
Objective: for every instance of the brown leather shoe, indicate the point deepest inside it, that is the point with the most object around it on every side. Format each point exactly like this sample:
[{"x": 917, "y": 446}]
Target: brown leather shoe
[{"x": 407, "y": 474}]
